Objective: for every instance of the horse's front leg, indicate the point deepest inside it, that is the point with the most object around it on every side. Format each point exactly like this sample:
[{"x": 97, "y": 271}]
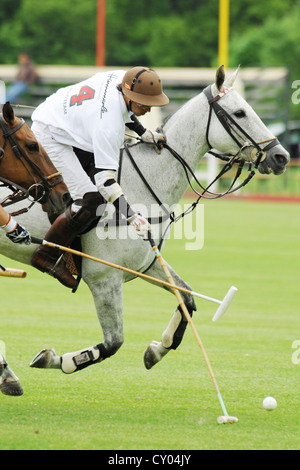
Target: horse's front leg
[
  {"x": 173, "y": 334},
  {"x": 107, "y": 293}
]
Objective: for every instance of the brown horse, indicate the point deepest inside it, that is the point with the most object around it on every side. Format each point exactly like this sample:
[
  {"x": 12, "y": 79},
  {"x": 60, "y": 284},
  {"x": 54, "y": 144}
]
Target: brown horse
[
  {"x": 27, "y": 172},
  {"x": 25, "y": 167}
]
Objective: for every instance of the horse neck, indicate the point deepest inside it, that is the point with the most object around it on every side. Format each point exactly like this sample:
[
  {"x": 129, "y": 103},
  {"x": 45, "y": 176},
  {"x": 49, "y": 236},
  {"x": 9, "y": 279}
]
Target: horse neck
[
  {"x": 185, "y": 130},
  {"x": 186, "y": 134}
]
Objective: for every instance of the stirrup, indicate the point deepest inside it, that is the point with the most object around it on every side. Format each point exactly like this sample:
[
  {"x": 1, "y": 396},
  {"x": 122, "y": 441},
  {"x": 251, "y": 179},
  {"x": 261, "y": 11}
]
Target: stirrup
[{"x": 52, "y": 270}]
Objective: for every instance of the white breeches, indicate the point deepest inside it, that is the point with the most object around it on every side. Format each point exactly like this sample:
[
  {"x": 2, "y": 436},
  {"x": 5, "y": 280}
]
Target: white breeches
[{"x": 66, "y": 161}]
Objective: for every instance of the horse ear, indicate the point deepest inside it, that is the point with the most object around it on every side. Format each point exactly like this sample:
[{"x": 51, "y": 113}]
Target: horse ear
[
  {"x": 8, "y": 113},
  {"x": 220, "y": 77},
  {"x": 231, "y": 79}
]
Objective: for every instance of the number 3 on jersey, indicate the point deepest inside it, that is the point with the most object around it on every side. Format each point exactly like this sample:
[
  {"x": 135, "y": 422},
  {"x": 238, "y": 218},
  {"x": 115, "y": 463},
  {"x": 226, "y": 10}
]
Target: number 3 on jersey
[{"x": 86, "y": 93}]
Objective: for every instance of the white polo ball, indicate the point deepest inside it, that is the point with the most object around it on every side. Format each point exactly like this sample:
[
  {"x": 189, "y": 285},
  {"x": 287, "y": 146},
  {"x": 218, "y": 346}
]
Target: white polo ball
[{"x": 269, "y": 403}]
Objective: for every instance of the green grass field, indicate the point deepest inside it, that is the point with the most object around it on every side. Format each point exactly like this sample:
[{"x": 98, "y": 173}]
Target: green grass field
[{"x": 119, "y": 405}]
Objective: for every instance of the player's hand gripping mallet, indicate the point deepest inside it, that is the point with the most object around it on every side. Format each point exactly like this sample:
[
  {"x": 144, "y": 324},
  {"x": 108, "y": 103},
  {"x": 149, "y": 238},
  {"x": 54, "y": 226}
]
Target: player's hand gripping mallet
[{"x": 221, "y": 419}]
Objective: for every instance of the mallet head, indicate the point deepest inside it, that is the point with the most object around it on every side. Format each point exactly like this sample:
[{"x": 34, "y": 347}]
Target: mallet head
[
  {"x": 225, "y": 303},
  {"x": 227, "y": 419}
]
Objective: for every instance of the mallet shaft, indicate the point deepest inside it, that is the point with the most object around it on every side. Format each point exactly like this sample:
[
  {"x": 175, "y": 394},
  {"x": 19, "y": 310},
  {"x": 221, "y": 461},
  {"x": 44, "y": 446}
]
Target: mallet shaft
[
  {"x": 191, "y": 323},
  {"x": 187, "y": 315},
  {"x": 122, "y": 268},
  {"x": 205, "y": 297}
]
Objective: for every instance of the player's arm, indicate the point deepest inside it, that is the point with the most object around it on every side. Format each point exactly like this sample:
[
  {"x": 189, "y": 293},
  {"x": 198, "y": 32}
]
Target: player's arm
[
  {"x": 14, "y": 231},
  {"x": 112, "y": 192}
]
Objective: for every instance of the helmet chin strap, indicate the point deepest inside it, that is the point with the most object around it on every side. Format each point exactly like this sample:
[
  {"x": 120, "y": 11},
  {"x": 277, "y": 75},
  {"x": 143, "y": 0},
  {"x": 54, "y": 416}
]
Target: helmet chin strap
[{"x": 128, "y": 103}]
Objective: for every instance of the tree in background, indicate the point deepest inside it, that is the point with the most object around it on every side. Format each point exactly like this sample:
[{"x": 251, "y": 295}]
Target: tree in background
[
  {"x": 172, "y": 33},
  {"x": 168, "y": 32},
  {"x": 275, "y": 43},
  {"x": 51, "y": 32}
]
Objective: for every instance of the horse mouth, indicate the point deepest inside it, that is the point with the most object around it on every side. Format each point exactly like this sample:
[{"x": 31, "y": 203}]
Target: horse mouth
[
  {"x": 280, "y": 162},
  {"x": 276, "y": 164},
  {"x": 54, "y": 207}
]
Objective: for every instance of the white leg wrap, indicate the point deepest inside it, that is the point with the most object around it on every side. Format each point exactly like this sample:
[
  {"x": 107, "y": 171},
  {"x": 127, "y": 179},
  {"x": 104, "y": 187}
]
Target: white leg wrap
[
  {"x": 168, "y": 334},
  {"x": 2, "y": 364},
  {"x": 70, "y": 362}
]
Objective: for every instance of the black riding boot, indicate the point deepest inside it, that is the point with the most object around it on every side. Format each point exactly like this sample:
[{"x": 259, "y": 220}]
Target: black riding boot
[{"x": 63, "y": 231}]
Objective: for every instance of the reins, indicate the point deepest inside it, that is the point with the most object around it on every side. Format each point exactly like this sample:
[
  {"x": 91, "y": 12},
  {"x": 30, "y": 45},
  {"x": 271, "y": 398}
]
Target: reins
[
  {"x": 152, "y": 220},
  {"x": 256, "y": 156},
  {"x": 189, "y": 175}
]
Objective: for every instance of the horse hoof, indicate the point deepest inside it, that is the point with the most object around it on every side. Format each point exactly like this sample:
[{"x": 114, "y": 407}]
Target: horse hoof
[
  {"x": 9, "y": 383},
  {"x": 153, "y": 354},
  {"x": 149, "y": 358},
  {"x": 13, "y": 388},
  {"x": 46, "y": 359}
]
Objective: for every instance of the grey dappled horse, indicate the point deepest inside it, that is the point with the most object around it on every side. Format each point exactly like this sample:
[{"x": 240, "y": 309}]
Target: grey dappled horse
[{"x": 220, "y": 119}]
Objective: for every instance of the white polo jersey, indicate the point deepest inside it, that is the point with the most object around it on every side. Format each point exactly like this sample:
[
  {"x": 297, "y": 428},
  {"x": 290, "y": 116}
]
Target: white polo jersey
[{"x": 90, "y": 115}]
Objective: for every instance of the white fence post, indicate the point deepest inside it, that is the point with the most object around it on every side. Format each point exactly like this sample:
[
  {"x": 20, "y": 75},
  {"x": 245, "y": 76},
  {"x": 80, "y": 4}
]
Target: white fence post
[
  {"x": 2, "y": 92},
  {"x": 210, "y": 173},
  {"x": 2, "y": 348}
]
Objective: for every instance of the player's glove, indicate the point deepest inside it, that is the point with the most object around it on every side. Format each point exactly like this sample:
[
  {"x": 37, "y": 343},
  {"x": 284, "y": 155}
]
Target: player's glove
[
  {"x": 155, "y": 138},
  {"x": 19, "y": 235},
  {"x": 140, "y": 224}
]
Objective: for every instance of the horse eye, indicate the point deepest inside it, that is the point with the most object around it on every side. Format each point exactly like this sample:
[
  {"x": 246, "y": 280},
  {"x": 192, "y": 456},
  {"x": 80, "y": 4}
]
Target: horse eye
[
  {"x": 33, "y": 147},
  {"x": 240, "y": 114}
]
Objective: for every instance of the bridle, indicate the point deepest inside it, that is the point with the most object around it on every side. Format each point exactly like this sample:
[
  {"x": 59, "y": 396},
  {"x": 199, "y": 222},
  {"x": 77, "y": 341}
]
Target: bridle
[
  {"x": 236, "y": 132},
  {"x": 39, "y": 191}
]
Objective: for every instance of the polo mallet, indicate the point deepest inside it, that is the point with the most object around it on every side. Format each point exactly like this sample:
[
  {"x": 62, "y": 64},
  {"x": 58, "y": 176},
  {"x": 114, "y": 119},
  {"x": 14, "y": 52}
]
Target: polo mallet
[
  {"x": 221, "y": 419},
  {"x": 224, "y": 304},
  {"x": 10, "y": 272}
]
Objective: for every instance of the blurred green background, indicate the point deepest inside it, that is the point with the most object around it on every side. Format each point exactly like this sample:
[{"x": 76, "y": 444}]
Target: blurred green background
[{"x": 169, "y": 35}]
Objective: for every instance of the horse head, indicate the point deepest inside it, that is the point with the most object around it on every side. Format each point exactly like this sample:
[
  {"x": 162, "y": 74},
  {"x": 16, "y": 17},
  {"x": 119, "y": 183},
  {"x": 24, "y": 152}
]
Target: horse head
[
  {"x": 235, "y": 128},
  {"x": 25, "y": 163}
]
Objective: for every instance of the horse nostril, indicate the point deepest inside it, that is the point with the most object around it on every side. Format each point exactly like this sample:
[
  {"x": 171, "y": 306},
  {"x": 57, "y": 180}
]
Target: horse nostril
[
  {"x": 281, "y": 159},
  {"x": 66, "y": 198}
]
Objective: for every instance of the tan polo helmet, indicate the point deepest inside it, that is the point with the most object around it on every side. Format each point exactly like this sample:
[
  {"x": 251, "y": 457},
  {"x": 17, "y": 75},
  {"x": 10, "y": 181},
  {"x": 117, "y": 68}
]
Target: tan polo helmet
[{"x": 143, "y": 86}]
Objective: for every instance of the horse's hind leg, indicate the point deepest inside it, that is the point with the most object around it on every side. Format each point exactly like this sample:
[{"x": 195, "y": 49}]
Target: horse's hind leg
[
  {"x": 173, "y": 334},
  {"x": 108, "y": 301}
]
